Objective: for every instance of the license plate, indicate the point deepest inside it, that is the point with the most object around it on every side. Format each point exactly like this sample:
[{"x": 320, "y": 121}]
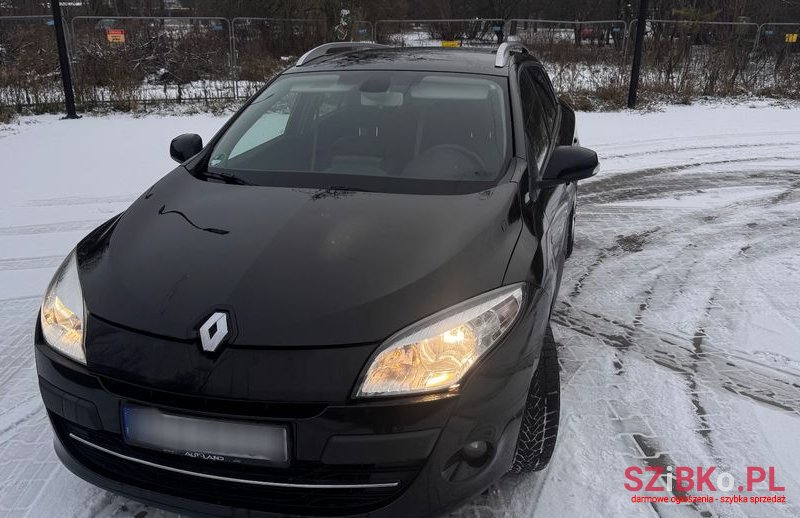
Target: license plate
[{"x": 215, "y": 440}]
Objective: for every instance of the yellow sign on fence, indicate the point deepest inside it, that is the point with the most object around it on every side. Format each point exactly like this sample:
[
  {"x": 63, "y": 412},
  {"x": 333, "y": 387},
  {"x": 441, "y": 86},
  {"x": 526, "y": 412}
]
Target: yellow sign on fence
[
  {"x": 451, "y": 43},
  {"x": 115, "y": 35},
  {"x": 791, "y": 37}
]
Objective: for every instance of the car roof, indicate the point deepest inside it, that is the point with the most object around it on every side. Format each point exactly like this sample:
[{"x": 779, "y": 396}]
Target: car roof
[{"x": 440, "y": 59}]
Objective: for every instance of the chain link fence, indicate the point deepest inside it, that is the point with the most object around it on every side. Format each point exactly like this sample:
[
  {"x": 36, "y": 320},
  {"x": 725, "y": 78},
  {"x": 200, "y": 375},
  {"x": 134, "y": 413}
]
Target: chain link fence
[
  {"x": 778, "y": 49},
  {"x": 133, "y": 61},
  {"x": 264, "y": 46},
  {"x": 581, "y": 57},
  {"x": 685, "y": 59},
  {"x": 127, "y": 62}
]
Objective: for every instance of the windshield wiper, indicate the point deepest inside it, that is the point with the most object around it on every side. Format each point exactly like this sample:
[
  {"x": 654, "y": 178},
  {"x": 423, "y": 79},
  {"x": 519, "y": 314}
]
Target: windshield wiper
[{"x": 224, "y": 177}]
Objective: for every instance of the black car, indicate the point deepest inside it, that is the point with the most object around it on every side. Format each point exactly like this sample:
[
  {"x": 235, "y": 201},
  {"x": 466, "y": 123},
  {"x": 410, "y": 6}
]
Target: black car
[{"x": 340, "y": 305}]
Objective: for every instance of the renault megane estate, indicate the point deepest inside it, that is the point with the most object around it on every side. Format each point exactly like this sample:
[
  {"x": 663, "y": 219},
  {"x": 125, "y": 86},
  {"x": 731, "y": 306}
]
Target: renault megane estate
[{"x": 339, "y": 305}]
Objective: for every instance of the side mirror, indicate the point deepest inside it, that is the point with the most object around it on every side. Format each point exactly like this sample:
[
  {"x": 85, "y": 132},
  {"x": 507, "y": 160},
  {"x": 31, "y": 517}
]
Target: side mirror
[
  {"x": 183, "y": 147},
  {"x": 569, "y": 164}
]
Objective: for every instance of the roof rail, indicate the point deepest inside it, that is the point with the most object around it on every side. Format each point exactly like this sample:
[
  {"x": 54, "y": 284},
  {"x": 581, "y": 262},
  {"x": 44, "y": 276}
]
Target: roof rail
[
  {"x": 504, "y": 52},
  {"x": 332, "y": 48}
]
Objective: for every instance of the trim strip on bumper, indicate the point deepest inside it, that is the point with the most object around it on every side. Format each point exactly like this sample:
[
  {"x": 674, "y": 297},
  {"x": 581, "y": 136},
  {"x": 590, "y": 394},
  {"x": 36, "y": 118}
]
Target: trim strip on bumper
[{"x": 231, "y": 479}]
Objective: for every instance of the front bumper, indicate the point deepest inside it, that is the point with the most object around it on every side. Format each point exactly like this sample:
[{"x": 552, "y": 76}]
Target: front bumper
[{"x": 393, "y": 457}]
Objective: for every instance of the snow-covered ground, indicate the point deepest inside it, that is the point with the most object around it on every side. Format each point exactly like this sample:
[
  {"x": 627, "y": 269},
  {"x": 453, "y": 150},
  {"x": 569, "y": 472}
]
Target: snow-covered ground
[{"x": 677, "y": 323}]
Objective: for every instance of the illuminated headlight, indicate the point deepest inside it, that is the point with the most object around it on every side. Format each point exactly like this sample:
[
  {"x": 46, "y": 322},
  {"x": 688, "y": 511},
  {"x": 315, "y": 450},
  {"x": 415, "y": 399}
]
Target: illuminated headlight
[
  {"x": 62, "y": 312},
  {"x": 435, "y": 353}
]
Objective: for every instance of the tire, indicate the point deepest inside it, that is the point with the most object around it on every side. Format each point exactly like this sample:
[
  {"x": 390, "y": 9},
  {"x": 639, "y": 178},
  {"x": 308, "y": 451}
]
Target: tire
[{"x": 539, "y": 429}]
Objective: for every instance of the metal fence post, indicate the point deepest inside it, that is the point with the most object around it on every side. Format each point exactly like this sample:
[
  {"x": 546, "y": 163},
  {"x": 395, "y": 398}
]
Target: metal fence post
[
  {"x": 758, "y": 37},
  {"x": 232, "y": 45},
  {"x": 641, "y": 28},
  {"x": 63, "y": 60},
  {"x": 628, "y": 29}
]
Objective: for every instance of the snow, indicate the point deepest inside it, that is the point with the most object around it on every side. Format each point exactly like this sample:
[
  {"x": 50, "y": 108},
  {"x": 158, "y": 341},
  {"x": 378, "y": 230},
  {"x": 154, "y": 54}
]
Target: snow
[
  {"x": 702, "y": 199},
  {"x": 780, "y": 432},
  {"x": 676, "y": 322}
]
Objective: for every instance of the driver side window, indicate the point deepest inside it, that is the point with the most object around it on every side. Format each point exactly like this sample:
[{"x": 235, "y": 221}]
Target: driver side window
[{"x": 533, "y": 117}]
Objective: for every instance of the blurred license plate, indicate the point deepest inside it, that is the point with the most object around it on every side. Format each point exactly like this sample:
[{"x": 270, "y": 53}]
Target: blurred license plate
[{"x": 207, "y": 439}]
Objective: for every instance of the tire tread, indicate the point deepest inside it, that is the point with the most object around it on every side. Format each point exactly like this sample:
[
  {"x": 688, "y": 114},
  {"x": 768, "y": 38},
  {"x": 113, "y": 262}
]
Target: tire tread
[{"x": 539, "y": 429}]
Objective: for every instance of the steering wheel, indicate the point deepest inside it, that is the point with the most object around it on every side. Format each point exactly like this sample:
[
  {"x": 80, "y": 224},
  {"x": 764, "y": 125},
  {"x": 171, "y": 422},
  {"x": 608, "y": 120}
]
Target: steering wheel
[{"x": 474, "y": 157}]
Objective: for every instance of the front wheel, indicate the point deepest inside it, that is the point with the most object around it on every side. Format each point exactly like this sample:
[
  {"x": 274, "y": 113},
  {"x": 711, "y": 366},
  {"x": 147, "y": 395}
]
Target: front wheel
[{"x": 537, "y": 434}]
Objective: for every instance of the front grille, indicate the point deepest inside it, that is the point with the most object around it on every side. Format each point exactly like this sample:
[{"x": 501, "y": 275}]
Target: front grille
[
  {"x": 302, "y": 501},
  {"x": 230, "y": 407}
]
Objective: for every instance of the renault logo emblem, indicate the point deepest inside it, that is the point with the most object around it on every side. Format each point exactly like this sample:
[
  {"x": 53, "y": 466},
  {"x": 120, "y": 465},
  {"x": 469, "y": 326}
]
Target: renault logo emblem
[{"x": 214, "y": 331}]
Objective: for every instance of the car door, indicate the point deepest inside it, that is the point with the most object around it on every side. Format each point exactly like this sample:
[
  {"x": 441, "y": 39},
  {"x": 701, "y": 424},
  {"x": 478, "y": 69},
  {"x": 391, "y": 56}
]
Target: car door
[
  {"x": 563, "y": 201},
  {"x": 553, "y": 204}
]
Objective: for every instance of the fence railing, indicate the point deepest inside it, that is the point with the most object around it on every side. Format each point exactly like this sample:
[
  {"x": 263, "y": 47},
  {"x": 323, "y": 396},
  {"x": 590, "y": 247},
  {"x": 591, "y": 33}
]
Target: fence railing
[{"x": 127, "y": 61}]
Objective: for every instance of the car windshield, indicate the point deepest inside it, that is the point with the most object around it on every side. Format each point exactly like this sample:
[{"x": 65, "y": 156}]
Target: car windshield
[{"x": 373, "y": 128}]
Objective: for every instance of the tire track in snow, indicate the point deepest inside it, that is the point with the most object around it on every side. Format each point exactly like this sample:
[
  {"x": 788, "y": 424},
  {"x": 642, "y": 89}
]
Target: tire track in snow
[
  {"x": 655, "y": 144},
  {"x": 760, "y": 382},
  {"x": 50, "y": 228},
  {"x": 757, "y": 381},
  {"x": 83, "y": 200},
  {"x": 693, "y": 357},
  {"x": 683, "y": 149},
  {"x": 659, "y": 182},
  {"x": 30, "y": 263}
]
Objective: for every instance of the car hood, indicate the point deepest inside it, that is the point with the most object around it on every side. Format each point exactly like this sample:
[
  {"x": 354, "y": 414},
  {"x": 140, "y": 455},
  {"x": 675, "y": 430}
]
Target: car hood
[{"x": 294, "y": 267}]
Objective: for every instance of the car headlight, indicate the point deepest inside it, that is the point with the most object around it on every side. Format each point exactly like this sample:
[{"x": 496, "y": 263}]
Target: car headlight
[
  {"x": 62, "y": 312},
  {"x": 435, "y": 353}
]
